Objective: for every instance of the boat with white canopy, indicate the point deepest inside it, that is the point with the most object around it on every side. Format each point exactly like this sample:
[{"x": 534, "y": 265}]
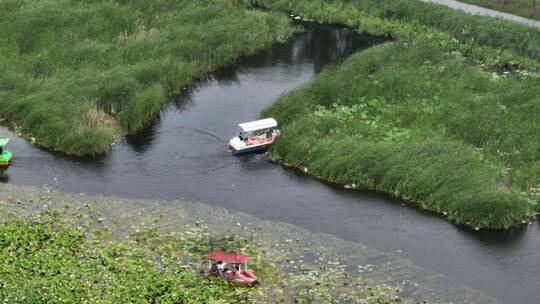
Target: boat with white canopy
[{"x": 255, "y": 136}]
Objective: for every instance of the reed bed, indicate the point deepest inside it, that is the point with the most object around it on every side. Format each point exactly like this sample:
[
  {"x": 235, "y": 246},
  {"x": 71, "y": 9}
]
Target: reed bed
[
  {"x": 424, "y": 125},
  {"x": 78, "y": 74}
]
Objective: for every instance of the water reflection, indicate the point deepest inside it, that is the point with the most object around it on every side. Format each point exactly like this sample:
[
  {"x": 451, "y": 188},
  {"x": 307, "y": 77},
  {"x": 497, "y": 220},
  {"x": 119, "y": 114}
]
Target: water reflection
[
  {"x": 143, "y": 139},
  {"x": 509, "y": 239},
  {"x": 4, "y": 177},
  {"x": 320, "y": 45},
  {"x": 184, "y": 100},
  {"x": 226, "y": 76}
]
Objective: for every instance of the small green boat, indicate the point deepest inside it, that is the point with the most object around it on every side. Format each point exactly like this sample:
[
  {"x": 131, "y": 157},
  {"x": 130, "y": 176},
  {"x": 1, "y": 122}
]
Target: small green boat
[{"x": 5, "y": 155}]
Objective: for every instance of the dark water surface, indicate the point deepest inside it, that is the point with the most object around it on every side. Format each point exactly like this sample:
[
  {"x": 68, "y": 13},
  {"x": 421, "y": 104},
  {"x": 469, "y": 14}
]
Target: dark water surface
[{"x": 183, "y": 154}]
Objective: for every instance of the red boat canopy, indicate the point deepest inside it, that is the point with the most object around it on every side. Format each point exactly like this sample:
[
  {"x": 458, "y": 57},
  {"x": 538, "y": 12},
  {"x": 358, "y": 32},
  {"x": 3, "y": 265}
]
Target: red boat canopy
[{"x": 228, "y": 257}]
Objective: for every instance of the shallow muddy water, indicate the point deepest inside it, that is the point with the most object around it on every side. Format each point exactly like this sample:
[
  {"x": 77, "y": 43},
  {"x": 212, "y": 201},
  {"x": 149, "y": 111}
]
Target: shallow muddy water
[{"x": 183, "y": 154}]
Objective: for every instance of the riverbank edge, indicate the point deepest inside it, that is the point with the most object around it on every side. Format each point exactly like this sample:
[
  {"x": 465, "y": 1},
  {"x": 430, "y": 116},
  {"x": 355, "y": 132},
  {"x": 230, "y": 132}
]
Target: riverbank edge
[
  {"x": 410, "y": 202},
  {"x": 122, "y": 216}
]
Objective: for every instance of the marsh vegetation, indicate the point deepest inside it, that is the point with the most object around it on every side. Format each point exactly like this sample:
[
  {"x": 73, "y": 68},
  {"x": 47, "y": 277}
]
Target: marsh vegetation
[
  {"x": 77, "y": 75},
  {"x": 71, "y": 256},
  {"x": 423, "y": 125},
  {"x": 437, "y": 118}
]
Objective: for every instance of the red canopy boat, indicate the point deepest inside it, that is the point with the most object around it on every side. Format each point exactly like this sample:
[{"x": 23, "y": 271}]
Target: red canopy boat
[{"x": 232, "y": 266}]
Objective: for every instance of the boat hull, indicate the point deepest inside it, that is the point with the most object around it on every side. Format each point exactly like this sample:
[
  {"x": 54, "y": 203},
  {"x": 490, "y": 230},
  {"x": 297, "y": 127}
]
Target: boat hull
[
  {"x": 5, "y": 159},
  {"x": 246, "y": 278},
  {"x": 250, "y": 150},
  {"x": 240, "y": 147}
]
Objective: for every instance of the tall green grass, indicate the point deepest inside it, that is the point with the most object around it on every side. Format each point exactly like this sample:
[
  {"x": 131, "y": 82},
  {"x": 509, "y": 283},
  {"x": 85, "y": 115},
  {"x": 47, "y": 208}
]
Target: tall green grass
[
  {"x": 77, "y": 74},
  {"x": 422, "y": 124}
]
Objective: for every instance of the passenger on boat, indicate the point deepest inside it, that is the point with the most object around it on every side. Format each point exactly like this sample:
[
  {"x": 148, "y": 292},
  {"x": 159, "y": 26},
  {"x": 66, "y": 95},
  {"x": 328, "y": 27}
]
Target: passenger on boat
[
  {"x": 220, "y": 267},
  {"x": 243, "y": 137},
  {"x": 269, "y": 134},
  {"x": 214, "y": 269}
]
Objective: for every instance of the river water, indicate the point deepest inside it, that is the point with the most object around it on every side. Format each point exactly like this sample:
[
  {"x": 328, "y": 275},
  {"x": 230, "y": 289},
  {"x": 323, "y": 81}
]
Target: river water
[{"x": 183, "y": 154}]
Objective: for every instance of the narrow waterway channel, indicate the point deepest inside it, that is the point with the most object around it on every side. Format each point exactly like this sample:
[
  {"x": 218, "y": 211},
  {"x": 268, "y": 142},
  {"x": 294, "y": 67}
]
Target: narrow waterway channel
[{"x": 183, "y": 154}]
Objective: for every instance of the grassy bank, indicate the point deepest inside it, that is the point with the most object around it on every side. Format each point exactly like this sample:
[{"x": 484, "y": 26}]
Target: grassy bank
[
  {"x": 70, "y": 256},
  {"x": 77, "y": 74},
  {"x": 443, "y": 117},
  {"x": 523, "y": 8},
  {"x": 422, "y": 124}
]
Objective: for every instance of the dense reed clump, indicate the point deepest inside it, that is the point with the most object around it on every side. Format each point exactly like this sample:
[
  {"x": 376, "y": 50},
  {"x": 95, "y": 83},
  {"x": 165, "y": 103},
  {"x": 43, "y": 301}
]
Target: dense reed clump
[
  {"x": 77, "y": 74},
  {"x": 422, "y": 124}
]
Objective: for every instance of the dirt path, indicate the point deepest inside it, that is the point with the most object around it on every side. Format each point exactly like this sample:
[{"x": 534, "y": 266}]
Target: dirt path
[{"x": 473, "y": 9}]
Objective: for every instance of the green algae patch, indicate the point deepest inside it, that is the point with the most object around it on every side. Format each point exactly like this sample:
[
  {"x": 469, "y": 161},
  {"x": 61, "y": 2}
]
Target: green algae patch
[
  {"x": 78, "y": 74},
  {"x": 422, "y": 124},
  {"x": 70, "y": 256}
]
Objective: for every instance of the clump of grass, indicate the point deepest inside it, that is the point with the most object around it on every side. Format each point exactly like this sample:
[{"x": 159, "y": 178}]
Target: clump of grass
[
  {"x": 61, "y": 60},
  {"x": 422, "y": 124}
]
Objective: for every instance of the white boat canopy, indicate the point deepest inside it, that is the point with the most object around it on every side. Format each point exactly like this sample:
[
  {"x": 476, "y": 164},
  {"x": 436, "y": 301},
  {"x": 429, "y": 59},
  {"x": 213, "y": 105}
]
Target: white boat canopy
[{"x": 256, "y": 125}]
